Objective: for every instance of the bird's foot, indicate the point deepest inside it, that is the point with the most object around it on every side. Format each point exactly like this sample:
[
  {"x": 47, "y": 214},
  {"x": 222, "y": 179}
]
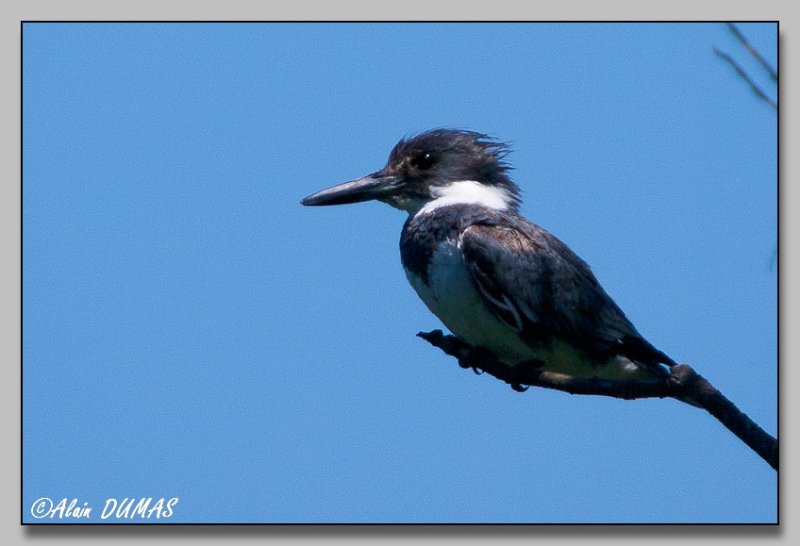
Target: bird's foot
[
  {"x": 517, "y": 373},
  {"x": 468, "y": 356},
  {"x": 476, "y": 358},
  {"x": 481, "y": 360}
]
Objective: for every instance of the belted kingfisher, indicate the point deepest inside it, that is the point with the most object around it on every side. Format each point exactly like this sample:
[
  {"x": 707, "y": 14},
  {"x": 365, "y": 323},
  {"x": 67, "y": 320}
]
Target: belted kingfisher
[{"x": 495, "y": 279}]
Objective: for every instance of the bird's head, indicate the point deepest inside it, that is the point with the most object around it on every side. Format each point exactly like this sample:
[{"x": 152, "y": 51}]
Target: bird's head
[{"x": 438, "y": 167}]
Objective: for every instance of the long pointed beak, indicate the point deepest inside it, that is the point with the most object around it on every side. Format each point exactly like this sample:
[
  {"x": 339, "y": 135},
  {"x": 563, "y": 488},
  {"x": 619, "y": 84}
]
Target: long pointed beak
[{"x": 373, "y": 186}]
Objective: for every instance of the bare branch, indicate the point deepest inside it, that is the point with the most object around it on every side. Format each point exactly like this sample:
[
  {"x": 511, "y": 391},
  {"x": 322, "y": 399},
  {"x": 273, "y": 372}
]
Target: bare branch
[
  {"x": 773, "y": 75},
  {"x": 682, "y": 384},
  {"x": 742, "y": 74}
]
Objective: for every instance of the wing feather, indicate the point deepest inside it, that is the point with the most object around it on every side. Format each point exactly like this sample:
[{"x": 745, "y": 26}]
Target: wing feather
[{"x": 534, "y": 283}]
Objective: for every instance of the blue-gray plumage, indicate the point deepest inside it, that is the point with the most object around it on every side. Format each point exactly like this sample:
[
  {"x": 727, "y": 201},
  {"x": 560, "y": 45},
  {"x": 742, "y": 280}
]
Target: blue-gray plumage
[{"x": 495, "y": 279}]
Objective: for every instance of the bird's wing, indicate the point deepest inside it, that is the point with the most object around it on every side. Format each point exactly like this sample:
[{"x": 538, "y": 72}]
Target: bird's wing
[{"x": 534, "y": 283}]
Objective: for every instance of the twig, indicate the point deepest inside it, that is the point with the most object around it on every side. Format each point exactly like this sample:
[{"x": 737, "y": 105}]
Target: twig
[
  {"x": 683, "y": 383},
  {"x": 753, "y": 51},
  {"x": 742, "y": 74}
]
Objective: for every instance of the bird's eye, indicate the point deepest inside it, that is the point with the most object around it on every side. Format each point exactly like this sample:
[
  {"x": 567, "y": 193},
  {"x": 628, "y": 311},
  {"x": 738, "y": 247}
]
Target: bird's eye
[{"x": 423, "y": 161}]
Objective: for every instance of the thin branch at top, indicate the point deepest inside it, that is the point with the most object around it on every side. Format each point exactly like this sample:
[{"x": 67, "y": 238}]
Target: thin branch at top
[
  {"x": 753, "y": 51},
  {"x": 742, "y": 74}
]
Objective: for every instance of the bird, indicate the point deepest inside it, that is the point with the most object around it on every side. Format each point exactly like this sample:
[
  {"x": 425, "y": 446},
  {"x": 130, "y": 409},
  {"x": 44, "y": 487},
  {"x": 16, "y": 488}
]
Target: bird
[{"x": 496, "y": 280}]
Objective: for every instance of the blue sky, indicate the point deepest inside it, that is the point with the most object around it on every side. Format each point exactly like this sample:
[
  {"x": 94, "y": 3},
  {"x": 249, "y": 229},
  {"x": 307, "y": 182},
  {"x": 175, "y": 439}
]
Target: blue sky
[{"x": 191, "y": 331}]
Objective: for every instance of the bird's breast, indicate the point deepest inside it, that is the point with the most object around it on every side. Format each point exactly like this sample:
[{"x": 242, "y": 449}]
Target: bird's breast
[{"x": 448, "y": 291}]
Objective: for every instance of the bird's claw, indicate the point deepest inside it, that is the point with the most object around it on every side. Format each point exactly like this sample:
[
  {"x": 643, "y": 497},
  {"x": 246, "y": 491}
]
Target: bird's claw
[{"x": 517, "y": 373}]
